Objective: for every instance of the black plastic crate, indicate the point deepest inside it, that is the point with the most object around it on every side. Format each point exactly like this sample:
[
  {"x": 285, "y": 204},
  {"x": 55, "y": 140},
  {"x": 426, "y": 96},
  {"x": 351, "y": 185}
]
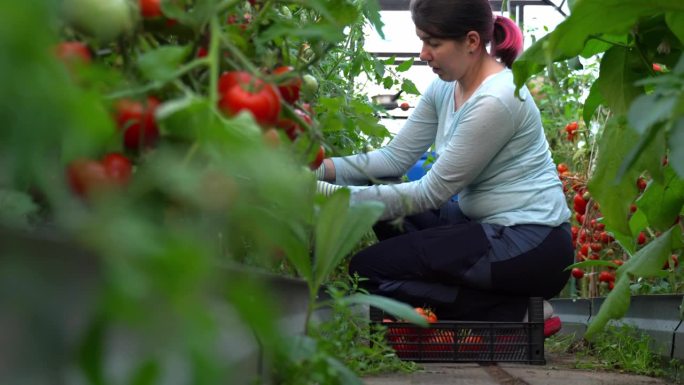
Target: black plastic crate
[{"x": 469, "y": 341}]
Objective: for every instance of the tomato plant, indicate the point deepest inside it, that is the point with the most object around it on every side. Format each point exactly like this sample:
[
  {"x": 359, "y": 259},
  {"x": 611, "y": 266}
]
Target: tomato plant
[
  {"x": 164, "y": 175},
  {"x": 617, "y": 142}
]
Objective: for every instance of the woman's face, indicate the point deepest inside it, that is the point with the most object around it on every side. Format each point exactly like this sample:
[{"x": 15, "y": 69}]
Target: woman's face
[{"x": 448, "y": 58}]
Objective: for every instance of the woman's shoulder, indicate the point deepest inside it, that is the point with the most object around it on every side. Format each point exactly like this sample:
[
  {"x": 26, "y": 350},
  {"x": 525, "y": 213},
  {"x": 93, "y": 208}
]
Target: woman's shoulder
[{"x": 502, "y": 86}]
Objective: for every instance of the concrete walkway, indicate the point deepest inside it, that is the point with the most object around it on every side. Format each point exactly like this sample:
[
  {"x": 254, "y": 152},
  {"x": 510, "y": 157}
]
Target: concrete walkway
[{"x": 557, "y": 371}]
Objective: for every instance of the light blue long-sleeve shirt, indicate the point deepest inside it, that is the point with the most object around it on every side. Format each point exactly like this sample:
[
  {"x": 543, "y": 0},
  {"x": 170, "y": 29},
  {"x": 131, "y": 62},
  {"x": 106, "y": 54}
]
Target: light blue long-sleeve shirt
[{"x": 492, "y": 152}]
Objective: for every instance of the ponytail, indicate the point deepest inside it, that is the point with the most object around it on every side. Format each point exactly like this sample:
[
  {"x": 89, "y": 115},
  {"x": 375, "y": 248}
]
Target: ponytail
[{"x": 508, "y": 40}]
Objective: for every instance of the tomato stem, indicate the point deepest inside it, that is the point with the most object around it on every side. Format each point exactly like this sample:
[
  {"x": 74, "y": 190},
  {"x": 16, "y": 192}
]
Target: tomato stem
[
  {"x": 212, "y": 59},
  {"x": 249, "y": 66}
]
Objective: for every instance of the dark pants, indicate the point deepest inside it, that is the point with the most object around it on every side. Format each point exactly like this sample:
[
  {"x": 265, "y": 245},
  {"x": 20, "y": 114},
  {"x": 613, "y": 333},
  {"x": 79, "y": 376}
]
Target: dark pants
[{"x": 423, "y": 264}]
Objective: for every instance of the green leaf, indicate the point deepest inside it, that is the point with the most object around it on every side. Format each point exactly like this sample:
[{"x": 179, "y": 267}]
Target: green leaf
[
  {"x": 405, "y": 66},
  {"x": 256, "y": 305},
  {"x": 345, "y": 375},
  {"x": 676, "y": 144},
  {"x": 637, "y": 223},
  {"x": 184, "y": 117},
  {"x": 371, "y": 10},
  {"x": 599, "y": 17},
  {"x": 614, "y": 307},
  {"x": 398, "y": 309},
  {"x": 91, "y": 351},
  {"x": 661, "y": 203},
  {"x": 532, "y": 61},
  {"x": 409, "y": 87},
  {"x": 617, "y": 78},
  {"x": 338, "y": 229},
  {"x": 162, "y": 63},
  {"x": 593, "y": 101},
  {"x": 147, "y": 373},
  {"x": 16, "y": 208},
  {"x": 649, "y": 260},
  {"x": 197, "y": 16},
  {"x": 591, "y": 263},
  {"x": 675, "y": 21},
  {"x": 589, "y": 18},
  {"x": 649, "y": 109},
  {"x": 615, "y": 197},
  {"x": 595, "y": 46},
  {"x": 648, "y": 150}
]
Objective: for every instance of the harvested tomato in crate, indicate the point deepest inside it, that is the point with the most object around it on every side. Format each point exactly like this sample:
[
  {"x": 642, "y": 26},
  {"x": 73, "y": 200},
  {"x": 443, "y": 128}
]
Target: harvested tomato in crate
[{"x": 469, "y": 341}]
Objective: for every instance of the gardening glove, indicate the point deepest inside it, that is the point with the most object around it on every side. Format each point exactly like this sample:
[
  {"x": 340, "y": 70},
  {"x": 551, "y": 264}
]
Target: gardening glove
[
  {"x": 320, "y": 172},
  {"x": 326, "y": 188}
]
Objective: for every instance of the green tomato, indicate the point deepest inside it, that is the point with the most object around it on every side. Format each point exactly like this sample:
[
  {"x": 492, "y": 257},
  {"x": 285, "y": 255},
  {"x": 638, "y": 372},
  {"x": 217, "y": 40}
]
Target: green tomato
[
  {"x": 309, "y": 84},
  {"x": 104, "y": 20},
  {"x": 285, "y": 12}
]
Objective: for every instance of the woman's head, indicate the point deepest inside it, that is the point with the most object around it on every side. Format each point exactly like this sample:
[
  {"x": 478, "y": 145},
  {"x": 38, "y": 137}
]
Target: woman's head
[{"x": 454, "y": 19}]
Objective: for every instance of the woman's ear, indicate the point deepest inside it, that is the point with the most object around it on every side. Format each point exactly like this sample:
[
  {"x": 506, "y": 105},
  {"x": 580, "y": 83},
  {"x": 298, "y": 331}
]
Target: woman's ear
[{"x": 472, "y": 40}]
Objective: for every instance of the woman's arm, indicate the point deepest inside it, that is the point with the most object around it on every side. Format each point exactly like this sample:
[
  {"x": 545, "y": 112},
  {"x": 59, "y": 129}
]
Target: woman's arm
[
  {"x": 481, "y": 133},
  {"x": 394, "y": 159}
]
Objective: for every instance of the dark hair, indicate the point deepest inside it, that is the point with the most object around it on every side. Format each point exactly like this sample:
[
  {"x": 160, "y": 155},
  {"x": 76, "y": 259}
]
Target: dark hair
[{"x": 453, "y": 19}]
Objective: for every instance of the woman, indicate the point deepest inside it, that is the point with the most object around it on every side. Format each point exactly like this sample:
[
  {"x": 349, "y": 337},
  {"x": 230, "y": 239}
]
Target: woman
[{"x": 508, "y": 237}]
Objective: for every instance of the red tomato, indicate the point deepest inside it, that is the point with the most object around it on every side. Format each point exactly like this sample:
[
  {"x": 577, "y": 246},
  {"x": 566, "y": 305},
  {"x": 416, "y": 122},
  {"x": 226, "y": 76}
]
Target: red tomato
[
  {"x": 580, "y": 204},
  {"x": 404, "y": 106},
  {"x": 571, "y": 127},
  {"x": 596, "y": 246},
  {"x": 73, "y": 51},
  {"x": 562, "y": 167},
  {"x": 117, "y": 167},
  {"x": 674, "y": 260},
  {"x": 584, "y": 249},
  {"x": 320, "y": 155},
  {"x": 85, "y": 176},
  {"x": 606, "y": 276},
  {"x": 641, "y": 238},
  {"x": 289, "y": 89},
  {"x": 292, "y": 128},
  {"x": 657, "y": 67},
  {"x": 641, "y": 183},
  {"x": 427, "y": 313},
  {"x": 260, "y": 99},
  {"x": 439, "y": 340},
  {"x": 138, "y": 122},
  {"x": 150, "y": 9},
  {"x": 577, "y": 273},
  {"x": 228, "y": 79}
]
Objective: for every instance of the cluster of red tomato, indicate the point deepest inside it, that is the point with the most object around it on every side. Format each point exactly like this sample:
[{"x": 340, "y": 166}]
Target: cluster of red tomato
[
  {"x": 589, "y": 237},
  {"x": 239, "y": 91},
  {"x": 409, "y": 341},
  {"x": 571, "y": 131},
  {"x": 591, "y": 240},
  {"x": 136, "y": 121}
]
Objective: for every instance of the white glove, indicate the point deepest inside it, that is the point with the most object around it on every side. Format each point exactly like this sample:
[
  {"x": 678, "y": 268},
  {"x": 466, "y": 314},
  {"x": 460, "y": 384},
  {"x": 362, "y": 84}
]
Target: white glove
[
  {"x": 320, "y": 172},
  {"x": 326, "y": 188}
]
